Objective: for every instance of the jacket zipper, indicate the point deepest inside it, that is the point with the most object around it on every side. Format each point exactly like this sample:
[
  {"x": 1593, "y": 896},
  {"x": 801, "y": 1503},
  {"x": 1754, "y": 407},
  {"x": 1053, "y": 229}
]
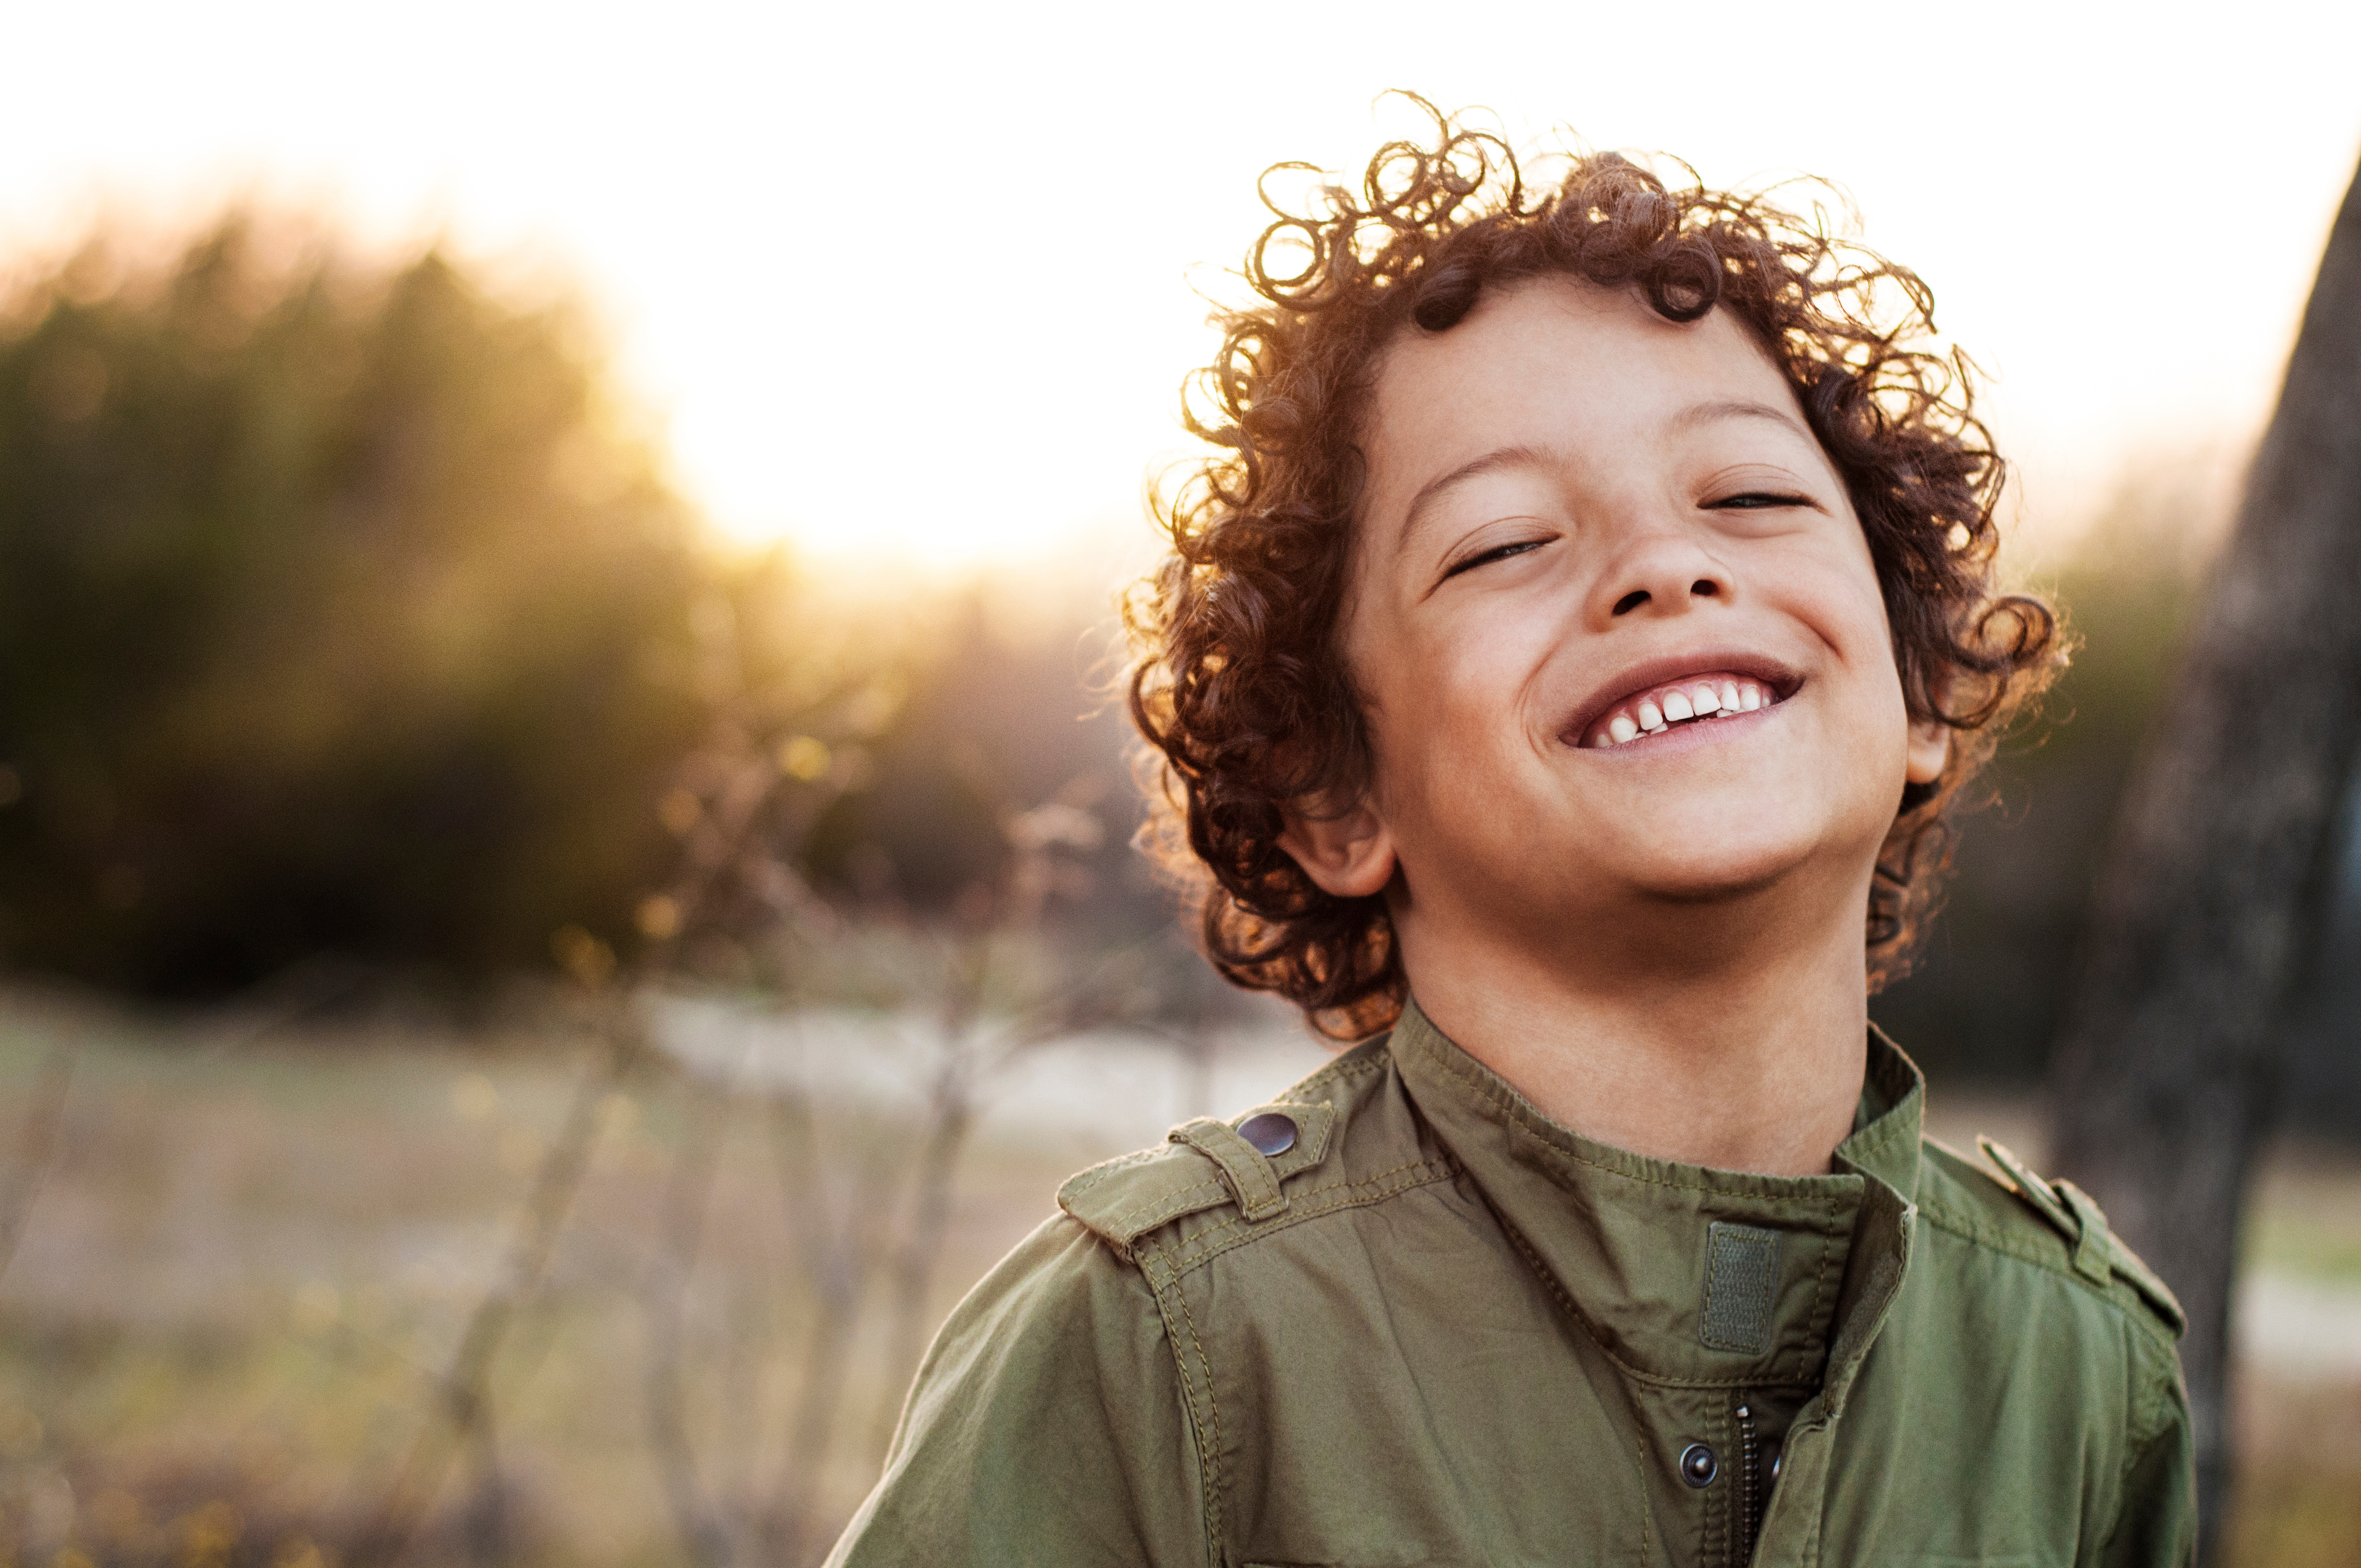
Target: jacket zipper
[{"x": 1750, "y": 1485}]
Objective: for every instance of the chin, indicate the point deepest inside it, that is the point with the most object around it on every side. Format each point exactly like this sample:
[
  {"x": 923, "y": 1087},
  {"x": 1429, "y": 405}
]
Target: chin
[
  {"x": 1725, "y": 888},
  {"x": 1715, "y": 872}
]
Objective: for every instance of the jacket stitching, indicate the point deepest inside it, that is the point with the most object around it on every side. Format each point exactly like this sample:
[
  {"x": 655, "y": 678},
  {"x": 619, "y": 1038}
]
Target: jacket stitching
[
  {"x": 1589, "y": 1331},
  {"x": 1820, "y": 1288},
  {"x": 1213, "y": 1493},
  {"x": 2157, "y": 1423},
  {"x": 1083, "y": 1183},
  {"x": 1181, "y": 1196},
  {"x": 1262, "y": 1226},
  {"x": 1640, "y": 1445},
  {"x": 2135, "y": 1398},
  {"x": 1979, "y": 1235},
  {"x": 1248, "y": 1173},
  {"x": 1885, "y": 1131},
  {"x": 1335, "y": 1071},
  {"x": 1173, "y": 1204},
  {"x": 1091, "y": 1179},
  {"x": 1209, "y": 1462},
  {"x": 1214, "y": 1240},
  {"x": 1708, "y": 1534},
  {"x": 2156, "y": 1384}
]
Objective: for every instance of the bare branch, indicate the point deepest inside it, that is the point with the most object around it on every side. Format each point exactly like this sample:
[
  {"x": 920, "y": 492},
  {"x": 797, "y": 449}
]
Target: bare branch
[
  {"x": 951, "y": 1117},
  {"x": 837, "y": 1268},
  {"x": 462, "y": 1392},
  {"x": 44, "y": 1115},
  {"x": 703, "y": 1535}
]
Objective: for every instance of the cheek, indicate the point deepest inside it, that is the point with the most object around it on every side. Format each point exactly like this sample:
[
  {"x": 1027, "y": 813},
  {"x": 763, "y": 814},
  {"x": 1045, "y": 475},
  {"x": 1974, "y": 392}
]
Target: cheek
[
  {"x": 1872, "y": 655},
  {"x": 1448, "y": 711},
  {"x": 1473, "y": 681},
  {"x": 1880, "y": 732},
  {"x": 1839, "y": 598}
]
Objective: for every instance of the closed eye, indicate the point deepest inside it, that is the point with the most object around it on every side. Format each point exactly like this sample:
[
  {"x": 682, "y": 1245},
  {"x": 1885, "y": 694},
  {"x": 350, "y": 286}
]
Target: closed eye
[
  {"x": 1756, "y": 500},
  {"x": 1498, "y": 552}
]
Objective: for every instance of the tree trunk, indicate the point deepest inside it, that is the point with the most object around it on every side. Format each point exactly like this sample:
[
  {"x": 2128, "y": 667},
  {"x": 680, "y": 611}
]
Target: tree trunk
[{"x": 2211, "y": 899}]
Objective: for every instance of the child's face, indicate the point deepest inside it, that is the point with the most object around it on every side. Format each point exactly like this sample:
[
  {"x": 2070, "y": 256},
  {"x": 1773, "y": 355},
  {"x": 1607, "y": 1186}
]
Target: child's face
[{"x": 1580, "y": 517}]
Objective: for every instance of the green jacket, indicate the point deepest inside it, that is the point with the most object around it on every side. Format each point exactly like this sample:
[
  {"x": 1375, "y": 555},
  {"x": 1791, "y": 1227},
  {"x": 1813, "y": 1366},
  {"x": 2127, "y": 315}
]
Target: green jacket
[{"x": 1437, "y": 1327}]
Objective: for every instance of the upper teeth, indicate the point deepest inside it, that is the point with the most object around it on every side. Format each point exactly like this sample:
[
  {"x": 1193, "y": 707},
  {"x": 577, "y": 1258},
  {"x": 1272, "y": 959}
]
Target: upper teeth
[{"x": 1696, "y": 697}]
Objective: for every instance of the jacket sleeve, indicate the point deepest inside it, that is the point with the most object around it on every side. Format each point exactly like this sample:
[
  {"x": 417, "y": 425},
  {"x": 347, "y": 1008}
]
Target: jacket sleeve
[
  {"x": 1046, "y": 1426},
  {"x": 2156, "y": 1524}
]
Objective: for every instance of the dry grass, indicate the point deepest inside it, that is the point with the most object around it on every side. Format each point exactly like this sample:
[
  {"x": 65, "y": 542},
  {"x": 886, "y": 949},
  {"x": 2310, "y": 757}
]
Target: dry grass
[{"x": 223, "y": 1328}]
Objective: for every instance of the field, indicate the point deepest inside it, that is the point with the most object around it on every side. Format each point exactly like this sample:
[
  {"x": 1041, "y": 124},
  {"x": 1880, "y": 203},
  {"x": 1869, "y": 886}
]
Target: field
[{"x": 227, "y": 1334}]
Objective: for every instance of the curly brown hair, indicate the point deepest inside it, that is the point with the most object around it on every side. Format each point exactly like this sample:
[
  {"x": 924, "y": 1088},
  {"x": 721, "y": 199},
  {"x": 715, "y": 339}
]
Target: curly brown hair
[{"x": 1239, "y": 685}]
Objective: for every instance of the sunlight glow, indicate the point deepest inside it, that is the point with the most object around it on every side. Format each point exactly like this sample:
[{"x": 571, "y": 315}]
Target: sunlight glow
[{"x": 925, "y": 291}]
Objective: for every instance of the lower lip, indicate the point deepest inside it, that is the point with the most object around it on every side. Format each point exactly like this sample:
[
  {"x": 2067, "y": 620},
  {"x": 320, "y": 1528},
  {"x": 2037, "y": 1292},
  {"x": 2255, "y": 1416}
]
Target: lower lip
[{"x": 1688, "y": 733}]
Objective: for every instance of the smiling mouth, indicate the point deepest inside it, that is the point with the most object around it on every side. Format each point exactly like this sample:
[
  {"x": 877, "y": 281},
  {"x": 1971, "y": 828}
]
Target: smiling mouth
[{"x": 1655, "y": 710}]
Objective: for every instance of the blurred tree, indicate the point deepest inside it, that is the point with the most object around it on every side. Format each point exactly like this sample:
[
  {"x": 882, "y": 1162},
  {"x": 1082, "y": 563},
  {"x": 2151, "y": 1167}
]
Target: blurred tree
[
  {"x": 993, "y": 722},
  {"x": 2215, "y": 884},
  {"x": 1004, "y": 707},
  {"x": 340, "y": 611}
]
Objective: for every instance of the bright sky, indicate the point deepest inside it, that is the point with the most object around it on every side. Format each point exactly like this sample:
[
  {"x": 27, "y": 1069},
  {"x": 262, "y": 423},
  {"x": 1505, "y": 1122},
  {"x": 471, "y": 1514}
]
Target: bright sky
[{"x": 913, "y": 281}]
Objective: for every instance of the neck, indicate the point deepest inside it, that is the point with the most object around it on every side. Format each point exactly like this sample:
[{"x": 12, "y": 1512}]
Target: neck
[{"x": 1751, "y": 1059}]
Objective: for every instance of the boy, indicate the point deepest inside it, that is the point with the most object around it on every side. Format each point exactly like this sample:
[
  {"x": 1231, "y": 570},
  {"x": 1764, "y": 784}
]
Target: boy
[{"x": 1563, "y": 673}]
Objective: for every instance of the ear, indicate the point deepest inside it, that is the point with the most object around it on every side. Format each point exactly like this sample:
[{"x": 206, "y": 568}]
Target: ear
[
  {"x": 1929, "y": 751},
  {"x": 1350, "y": 855}
]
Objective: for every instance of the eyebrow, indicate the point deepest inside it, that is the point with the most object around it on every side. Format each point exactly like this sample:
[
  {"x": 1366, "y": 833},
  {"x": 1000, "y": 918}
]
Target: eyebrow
[
  {"x": 1697, "y": 414},
  {"x": 1499, "y": 460},
  {"x": 1505, "y": 459}
]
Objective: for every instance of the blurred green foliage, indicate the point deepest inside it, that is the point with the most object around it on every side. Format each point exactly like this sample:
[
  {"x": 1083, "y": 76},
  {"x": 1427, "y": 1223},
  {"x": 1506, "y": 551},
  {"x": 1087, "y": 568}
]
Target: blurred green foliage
[
  {"x": 340, "y": 611},
  {"x": 1989, "y": 987}
]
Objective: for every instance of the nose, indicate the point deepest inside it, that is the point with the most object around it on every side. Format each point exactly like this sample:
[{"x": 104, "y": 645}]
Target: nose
[{"x": 1659, "y": 574}]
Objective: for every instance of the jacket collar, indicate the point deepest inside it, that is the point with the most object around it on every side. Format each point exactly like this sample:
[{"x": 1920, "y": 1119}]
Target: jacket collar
[{"x": 1639, "y": 1249}]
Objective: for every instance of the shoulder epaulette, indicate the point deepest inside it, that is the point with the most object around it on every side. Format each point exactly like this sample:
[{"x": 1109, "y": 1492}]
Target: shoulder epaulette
[
  {"x": 2099, "y": 1254},
  {"x": 1202, "y": 1165}
]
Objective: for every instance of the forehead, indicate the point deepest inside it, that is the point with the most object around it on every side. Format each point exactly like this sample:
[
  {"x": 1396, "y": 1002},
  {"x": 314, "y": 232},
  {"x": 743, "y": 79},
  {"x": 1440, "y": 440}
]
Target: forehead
[{"x": 1555, "y": 361}]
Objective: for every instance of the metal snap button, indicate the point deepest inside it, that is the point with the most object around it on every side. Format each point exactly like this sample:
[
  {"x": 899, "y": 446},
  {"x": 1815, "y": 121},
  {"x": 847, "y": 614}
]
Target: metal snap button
[
  {"x": 1269, "y": 1133},
  {"x": 1698, "y": 1467}
]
